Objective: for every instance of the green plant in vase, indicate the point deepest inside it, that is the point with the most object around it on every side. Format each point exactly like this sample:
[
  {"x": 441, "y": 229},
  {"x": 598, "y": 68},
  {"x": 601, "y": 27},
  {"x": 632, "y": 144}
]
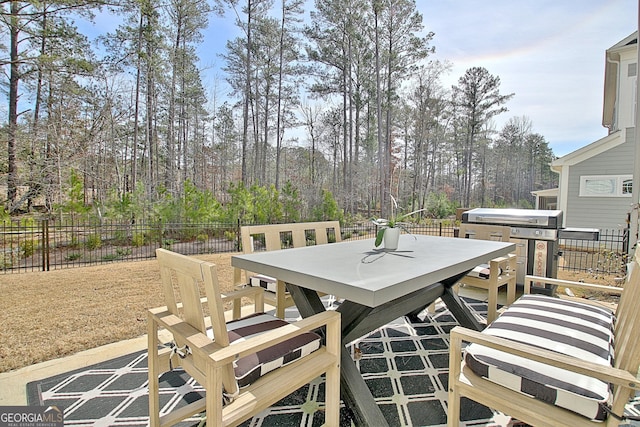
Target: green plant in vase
[{"x": 395, "y": 222}]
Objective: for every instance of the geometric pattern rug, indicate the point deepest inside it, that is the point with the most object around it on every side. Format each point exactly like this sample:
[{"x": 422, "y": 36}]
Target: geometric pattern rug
[{"x": 404, "y": 363}]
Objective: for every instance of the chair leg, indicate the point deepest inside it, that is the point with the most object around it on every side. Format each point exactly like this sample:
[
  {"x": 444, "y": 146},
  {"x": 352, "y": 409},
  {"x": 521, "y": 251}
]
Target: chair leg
[
  {"x": 453, "y": 403},
  {"x": 492, "y": 304},
  {"x": 332, "y": 397},
  {"x": 432, "y": 308},
  {"x": 213, "y": 396},
  {"x": 511, "y": 291},
  {"x": 281, "y": 293},
  {"x": 332, "y": 375},
  {"x": 154, "y": 386}
]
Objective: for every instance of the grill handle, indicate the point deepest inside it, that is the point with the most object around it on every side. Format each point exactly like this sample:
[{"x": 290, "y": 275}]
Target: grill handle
[{"x": 507, "y": 220}]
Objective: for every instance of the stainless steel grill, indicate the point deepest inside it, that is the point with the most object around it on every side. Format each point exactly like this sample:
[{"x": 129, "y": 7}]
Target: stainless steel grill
[
  {"x": 529, "y": 218},
  {"x": 535, "y": 233}
]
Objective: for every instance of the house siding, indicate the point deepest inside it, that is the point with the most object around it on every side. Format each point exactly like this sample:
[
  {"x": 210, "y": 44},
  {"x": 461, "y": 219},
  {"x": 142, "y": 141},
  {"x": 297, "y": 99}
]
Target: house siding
[{"x": 600, "y": 212}]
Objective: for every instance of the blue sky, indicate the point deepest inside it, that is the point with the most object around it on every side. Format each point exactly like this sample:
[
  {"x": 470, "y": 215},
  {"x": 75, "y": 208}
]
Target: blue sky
[{"x": 550, "y": 53}]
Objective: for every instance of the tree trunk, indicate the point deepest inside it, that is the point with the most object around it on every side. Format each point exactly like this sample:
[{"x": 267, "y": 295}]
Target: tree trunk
[
  {"x": 280, "y": 132},
  {"x": 14, "y": 77},
  {"x": 381, "y": 145},
  {"x": 136, "y": 107},
  {"x": 247, "y": 96}
]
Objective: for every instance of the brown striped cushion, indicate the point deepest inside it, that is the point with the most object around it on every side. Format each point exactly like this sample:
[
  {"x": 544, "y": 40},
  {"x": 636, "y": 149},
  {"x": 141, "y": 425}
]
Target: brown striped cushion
[
  {"x": 567, "y": 327},
  {"x": 250, "y": 368},
  {"x": 266, "y": 282}
]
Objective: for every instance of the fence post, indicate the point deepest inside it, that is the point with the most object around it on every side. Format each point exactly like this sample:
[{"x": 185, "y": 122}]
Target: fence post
[
  {"x": 625, "y": 239},
  {"x": 160, "y": 233},
  {"x": 45, "y": 245}
]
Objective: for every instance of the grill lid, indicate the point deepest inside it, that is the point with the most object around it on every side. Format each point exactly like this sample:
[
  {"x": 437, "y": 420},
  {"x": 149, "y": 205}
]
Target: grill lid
[{"x": 521, "y": 217}]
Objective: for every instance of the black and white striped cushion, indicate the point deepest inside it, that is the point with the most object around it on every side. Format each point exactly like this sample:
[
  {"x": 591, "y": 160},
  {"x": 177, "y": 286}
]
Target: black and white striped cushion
[
  {"x": 483, "y": 271},
  {"x": 568, "y": 327},
  {"x": 266, "y": 282},
  {"x": 248, "y": 369}
]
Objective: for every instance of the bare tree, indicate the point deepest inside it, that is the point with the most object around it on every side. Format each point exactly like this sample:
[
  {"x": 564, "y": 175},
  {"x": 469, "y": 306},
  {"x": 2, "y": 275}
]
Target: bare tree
[{"x": 398, "y": 24}]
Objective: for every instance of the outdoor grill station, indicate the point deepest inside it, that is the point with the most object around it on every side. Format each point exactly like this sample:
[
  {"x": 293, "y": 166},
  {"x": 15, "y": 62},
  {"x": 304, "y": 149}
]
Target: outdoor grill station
[{"x": 536, "y": 234}]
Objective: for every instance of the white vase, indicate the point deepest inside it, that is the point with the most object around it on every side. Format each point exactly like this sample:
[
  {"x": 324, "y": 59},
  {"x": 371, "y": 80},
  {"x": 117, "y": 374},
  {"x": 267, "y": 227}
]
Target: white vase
[{"x": 391, "y": 237}]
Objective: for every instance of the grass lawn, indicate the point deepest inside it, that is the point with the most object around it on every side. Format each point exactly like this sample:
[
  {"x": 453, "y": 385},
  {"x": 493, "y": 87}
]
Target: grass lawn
[{"x": 47, "y": 315}]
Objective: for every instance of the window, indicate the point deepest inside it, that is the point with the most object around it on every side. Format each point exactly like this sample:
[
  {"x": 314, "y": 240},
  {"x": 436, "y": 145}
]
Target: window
[{"x": 606, "y": 186}]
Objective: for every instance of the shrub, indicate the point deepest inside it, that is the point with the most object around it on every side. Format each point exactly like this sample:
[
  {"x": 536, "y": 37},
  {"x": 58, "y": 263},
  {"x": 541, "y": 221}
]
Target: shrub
[
  {"x": 73, "y": 256},
  {"x": 138, "y": 239},
  {"x": 123, "y": 252},
  {"x": 27, "y": 248},
  {"x": 75, "y": 242},
  {"x": 94, "y": 241},
  {"x": 438, "y": 205},
  {"x": 120, "y": 237},
  {"x": 329, "y": 209}
]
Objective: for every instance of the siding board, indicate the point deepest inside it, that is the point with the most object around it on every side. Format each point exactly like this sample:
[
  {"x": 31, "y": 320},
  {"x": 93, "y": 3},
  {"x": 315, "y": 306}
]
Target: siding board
[{"x": 601, "y": 212}]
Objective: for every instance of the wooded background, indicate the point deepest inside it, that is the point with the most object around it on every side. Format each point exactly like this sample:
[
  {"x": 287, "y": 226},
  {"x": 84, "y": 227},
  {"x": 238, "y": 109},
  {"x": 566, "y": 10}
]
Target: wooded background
[{"x": 342, "y": 98}]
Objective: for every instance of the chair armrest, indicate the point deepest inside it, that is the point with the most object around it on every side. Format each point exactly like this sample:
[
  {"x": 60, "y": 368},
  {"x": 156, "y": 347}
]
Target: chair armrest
[
  {"x": 528, "y": 280},
  {"x": 236, "y": 298},
  {"x": 501, "y": 265},
  {"x": 330, "y": 319},
  {"x": 503, "y": 259},
  {"x": 199, "y": 343},
  {"x": 252, "y": 291},
  {"x": 202, "y": 347},
  {"x": 604, "y": 373}
]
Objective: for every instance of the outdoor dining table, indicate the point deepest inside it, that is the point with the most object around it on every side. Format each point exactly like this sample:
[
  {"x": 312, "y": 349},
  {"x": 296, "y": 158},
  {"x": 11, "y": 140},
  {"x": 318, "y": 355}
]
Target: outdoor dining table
[{"x": 377, "y": 286}]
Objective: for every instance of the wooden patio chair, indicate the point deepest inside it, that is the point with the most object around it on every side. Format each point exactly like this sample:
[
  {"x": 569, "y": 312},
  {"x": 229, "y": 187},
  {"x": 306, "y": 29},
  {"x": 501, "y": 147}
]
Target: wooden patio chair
[
  {"x": 245, "y": 365},
  {"x": 548, "y": 361},
  {"x": 275, "y": 236},
  {"x": 497, "y": 273}
]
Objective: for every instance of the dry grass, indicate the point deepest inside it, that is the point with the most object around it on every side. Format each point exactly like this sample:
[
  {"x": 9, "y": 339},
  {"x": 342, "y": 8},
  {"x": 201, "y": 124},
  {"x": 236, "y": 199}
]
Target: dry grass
[{"x": 46, "y": 315}]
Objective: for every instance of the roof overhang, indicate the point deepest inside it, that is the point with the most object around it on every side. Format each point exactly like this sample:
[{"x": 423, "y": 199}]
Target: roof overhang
[{"x": 549, "y": 192}]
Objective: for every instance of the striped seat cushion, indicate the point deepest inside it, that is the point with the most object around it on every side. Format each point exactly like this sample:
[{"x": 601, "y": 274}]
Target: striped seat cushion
[
  {"x": 248, "y": 369},
  {"x": 266, "y": 282},
  {"x": 482, "y": 271},
  {"x": 568, "y": 327}
]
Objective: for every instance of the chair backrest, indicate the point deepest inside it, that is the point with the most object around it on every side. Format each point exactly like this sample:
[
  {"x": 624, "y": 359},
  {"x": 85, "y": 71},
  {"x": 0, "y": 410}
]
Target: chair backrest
[
  {"x": 185, "y": 281},
  {"x": 288, "y": 235},
  {"x": 499, "y": 233},
  {"x": 627, "y": 328}
]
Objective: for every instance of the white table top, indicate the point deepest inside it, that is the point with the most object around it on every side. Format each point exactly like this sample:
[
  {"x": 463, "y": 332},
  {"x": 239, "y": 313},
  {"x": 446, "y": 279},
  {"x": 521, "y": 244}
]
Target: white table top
[{"x": 358, "y": 272}]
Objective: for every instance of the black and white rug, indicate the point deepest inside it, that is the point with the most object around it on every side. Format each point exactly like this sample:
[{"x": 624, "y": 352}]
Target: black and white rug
[{"x": 405, "y": 364}]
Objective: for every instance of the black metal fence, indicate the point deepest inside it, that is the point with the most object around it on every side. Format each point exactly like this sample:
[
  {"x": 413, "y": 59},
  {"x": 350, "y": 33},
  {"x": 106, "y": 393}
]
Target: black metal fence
[
  {"x": 47, "y": 245},
  {"x": 607, "y": 256}
]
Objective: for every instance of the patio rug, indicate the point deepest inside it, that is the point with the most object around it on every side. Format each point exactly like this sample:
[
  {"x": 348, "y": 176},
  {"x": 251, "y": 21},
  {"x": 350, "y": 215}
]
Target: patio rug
[{"x": 404, "y": 363}]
